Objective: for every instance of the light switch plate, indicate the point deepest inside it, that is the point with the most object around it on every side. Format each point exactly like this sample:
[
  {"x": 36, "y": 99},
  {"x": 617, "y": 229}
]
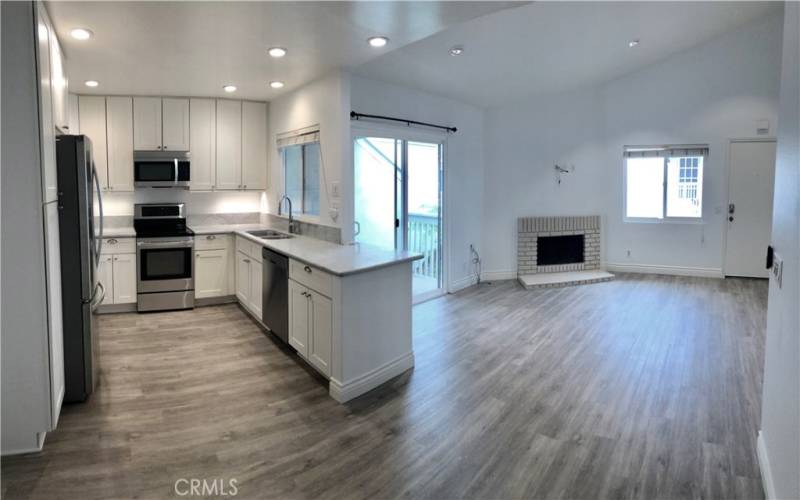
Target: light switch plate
[{"x": 777, "y": 270}]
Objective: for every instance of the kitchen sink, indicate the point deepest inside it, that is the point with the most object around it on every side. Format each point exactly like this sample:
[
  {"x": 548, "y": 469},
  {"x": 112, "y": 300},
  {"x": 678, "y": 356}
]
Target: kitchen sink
[{"x": 270, "y": 234}]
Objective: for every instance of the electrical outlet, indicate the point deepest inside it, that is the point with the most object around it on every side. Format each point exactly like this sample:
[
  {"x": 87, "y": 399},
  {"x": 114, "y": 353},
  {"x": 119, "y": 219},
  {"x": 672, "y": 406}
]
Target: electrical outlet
[{"x": 777, "y": 270}]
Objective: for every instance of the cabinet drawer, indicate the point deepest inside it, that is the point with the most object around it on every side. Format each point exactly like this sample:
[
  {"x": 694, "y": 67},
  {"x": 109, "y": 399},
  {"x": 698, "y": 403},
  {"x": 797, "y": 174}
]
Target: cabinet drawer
[
  {"x": 312, "y": 277},
  {"x": 248, "y": 247},
  {"x": 211, "y": 241},
  {"x": 118, "y": 245}
]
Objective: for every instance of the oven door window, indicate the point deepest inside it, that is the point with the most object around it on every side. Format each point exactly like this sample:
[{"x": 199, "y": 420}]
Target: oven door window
[
  {"x": 165, "y": 264},
  {"x": 147, "y": 171}
]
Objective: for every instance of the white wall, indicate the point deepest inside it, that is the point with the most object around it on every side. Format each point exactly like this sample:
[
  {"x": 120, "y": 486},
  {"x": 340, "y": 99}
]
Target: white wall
[
  {"x": 708, "y": 94},
  {"x": 779, "y": 442},
  {"x": 324, "y": 102},
  {"x": 217, "y": 202},
  {"x": 464, "y": 159}
]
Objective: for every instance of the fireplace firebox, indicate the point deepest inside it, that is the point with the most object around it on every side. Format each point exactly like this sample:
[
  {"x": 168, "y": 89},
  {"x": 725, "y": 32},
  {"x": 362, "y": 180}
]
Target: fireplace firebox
[{"x": 554, "y": 250}]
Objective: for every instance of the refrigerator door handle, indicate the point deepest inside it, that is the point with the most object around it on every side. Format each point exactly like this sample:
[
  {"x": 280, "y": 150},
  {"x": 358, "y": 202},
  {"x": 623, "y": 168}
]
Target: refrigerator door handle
[
  {"x": 99, "y": 244},
  {"x": 97, "y": 298}
]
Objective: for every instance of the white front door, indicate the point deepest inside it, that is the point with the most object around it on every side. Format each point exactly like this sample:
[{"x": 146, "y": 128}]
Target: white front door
[{"x": 750, "y": 188}]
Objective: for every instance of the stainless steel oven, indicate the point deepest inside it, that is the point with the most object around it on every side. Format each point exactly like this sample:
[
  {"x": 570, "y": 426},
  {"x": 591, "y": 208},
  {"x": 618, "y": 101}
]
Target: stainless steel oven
[
  {"x": 164, "y": 257},
  {"x": 161, "y": 169}
]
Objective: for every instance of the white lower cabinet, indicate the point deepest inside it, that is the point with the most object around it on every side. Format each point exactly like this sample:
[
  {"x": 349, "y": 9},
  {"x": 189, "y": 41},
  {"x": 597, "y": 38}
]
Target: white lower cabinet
[
  {"x": 311, "y": 325},
  {"x": 117, "y": 270},
  {"x": 248, "y": 277},
  {"x": 124, "y": 269},
  {"x": 211, "y": 273}
]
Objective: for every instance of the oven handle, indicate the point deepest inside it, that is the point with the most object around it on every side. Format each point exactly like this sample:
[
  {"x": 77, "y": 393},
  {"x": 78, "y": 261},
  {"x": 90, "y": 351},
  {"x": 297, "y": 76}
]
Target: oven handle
[
  {"x": 165, "y": 244},
  {"x": 176, "y": 170}
]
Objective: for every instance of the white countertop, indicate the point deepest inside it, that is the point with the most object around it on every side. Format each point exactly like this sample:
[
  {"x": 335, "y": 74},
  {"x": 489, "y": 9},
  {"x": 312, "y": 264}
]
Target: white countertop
[{"x": 337, "y": 259}]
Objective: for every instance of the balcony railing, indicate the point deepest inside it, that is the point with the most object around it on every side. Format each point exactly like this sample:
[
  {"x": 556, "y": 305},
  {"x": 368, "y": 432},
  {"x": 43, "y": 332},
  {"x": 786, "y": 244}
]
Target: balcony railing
[{"x": 423, "y": 237}]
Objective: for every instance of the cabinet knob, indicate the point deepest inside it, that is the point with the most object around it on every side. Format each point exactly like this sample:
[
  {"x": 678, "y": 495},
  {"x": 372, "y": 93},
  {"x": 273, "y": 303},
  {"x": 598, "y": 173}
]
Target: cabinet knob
[
  {"x": 211, "y": 237},
  {"x": 247, "y": 260},
  {"x": 165, "y": 148},
  {"x": 197, "y": 255},
  {"x": 307, "y": 269},
  {"x": 245, "y": 186},
  {"x": 112, "y": 241}
]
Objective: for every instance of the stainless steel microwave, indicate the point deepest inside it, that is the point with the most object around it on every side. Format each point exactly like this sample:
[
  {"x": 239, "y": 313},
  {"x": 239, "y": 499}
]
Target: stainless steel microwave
[{"x": 161, "y": 169}]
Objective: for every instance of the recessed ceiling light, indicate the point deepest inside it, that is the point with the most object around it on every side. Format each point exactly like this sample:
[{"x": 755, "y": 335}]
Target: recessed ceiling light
[
  {"x": 456, "y": 51},
  {"x": 633, "y": 43},
  {"x": 81, "y": 34},
  {"x": 91, "y": 83},
  {"x": 378, "y": 41},
  {"x": 276, "y": 85},
  {"x": 229, "y": 88},
  {"x": 277, "y": 52}
]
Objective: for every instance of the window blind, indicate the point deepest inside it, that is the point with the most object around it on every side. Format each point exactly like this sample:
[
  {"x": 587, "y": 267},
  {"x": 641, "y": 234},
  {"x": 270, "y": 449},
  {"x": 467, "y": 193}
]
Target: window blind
[
  {"x": 665, "y": 151},
  {"x": 303, "y": 136}
]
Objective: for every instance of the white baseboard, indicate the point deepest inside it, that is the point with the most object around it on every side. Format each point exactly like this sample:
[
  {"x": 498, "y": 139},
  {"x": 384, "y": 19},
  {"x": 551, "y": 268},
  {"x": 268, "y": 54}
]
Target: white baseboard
[
  {"x": 510, "y": 274},
  {"x": 702, "y": 272},
  {"x": 766, "y": 471},
  {"x": 344, "y": 392},
  {"x": 460, "y": 284}
]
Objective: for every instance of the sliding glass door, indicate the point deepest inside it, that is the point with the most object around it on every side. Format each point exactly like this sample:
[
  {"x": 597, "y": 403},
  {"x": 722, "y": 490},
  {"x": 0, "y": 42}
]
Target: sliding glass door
[{"x": 398, "y": 203}]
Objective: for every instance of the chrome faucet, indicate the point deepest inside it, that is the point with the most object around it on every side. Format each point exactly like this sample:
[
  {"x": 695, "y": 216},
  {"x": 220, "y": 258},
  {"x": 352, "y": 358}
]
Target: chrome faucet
[{"x": 292, "y": 228}]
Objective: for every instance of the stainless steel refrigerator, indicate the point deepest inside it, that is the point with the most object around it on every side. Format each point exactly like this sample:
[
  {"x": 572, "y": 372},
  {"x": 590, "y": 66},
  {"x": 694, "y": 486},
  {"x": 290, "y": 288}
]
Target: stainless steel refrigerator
[{"x": 78, "y": 194}]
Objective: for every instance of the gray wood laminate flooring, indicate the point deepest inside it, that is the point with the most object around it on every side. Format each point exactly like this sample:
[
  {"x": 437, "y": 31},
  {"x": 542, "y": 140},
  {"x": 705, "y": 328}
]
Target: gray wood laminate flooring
[{"x": 644, "y": 387}]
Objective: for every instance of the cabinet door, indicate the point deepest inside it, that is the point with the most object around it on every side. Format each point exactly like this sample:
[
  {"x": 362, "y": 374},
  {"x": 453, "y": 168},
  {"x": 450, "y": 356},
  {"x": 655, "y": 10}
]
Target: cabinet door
[
  {"x": 119, "y": 130},
  {"x": 124, "y": 278},
  {"x": 243, "y": 278},
  {"x": 254, "y": 145},
  {"x": 321, "y": 332},
  {"x": 146, "y": 123},
  {"x": 47, "y": 130},
  {"x": 175, "y": 124},
  {"x": 203, "y": 143},
  {"x": 229, "y": 144},
  {"x": 211, "y": 277},
  {"x": 59, "y": 84},
  {"x": 105, "y": 275},
  {"x": 298, "y": 317},
  {"x": 55, "y": 318},
  {"x": 92, "y": 117},
  {"x": 256, "y": 284}
]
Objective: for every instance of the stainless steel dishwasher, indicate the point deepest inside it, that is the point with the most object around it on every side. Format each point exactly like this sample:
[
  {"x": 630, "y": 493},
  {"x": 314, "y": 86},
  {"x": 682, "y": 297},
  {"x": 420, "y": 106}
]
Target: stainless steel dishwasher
[{"x": 275, "y": 293}]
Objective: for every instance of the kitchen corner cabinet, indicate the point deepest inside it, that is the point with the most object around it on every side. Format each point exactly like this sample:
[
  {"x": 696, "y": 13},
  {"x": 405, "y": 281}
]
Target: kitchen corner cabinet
[
  {"x": 119, "y": 133},
  {"x": 254, "y": 145},
  {"x": 248, "y": 276},
  {"x": 241, "y": 155},
  {"x": 117, "y": 270},
  {"x": 203, "y": 143}
]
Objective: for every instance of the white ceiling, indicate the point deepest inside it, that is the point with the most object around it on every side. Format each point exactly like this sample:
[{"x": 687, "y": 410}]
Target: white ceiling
[
  {"x": 552, "y": 46},
  {"x": 194, "y": 48}
]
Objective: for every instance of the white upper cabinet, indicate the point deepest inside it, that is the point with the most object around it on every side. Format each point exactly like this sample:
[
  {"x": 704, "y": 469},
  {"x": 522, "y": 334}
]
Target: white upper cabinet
[
  {"x": 175, "y": 124},
  {"x": 254, "y": 145},
  {"x": 147, "y": 123},
  {"x": 50, "y": 173},
  {"x": 119, "y": 126},
  {"x": 203, "y": 143},
  {"x": 60, "y": 85},
  {"x": 92, "y": 116},
  {"x": 229, "y": 144}
]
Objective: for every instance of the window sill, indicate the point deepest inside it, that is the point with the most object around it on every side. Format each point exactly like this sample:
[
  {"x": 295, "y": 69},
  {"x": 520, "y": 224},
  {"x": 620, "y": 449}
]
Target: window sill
[{"x": 667, "y": 220}]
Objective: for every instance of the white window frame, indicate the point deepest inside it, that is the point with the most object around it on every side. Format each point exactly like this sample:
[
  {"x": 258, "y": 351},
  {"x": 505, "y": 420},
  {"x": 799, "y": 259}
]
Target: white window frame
[
  {"x": 665, "y": 219},
  {"x": 299, "y": 206},
  {"x": 306, "y": 135}
]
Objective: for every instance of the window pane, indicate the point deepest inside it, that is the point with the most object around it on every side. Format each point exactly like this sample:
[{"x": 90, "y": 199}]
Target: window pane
[
  {"x": 685, "y": 186},
  {"x": 645, "y": 184},
  {"x": 311, "y": 186},
  {"x": 293, "y": 175}
]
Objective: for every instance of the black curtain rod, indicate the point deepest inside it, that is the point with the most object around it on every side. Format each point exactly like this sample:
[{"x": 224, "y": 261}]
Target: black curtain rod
[{"x": 358, "y": 116}]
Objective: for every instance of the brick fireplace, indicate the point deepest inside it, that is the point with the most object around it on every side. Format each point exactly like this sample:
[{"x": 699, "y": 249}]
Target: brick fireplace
[{"x": 559, "y": 245}]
